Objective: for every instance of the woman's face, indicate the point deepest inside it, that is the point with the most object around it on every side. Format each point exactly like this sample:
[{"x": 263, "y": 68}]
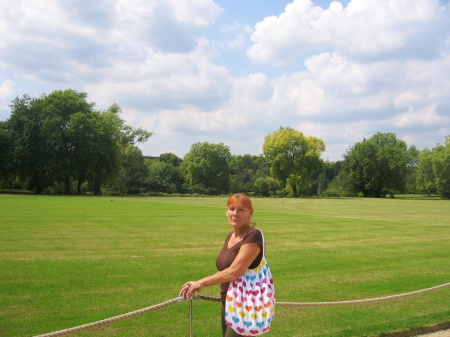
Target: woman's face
[{"x": 238, "y": 215}]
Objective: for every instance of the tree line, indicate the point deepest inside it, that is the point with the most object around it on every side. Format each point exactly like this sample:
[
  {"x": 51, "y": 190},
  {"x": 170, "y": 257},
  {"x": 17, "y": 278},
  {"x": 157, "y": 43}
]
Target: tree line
[{"x": 60, "y": 144}]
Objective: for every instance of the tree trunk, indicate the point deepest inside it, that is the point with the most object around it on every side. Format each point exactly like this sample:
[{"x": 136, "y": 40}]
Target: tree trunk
[
  {"x": 294, "y": 191},
  {"x": 67, "y": 184},
  {"x": 37, "y": 186},
  {"x": 79, "y": 185},
  {"x": 38, "y": 189},
  {"x": 97, "y": 184}
]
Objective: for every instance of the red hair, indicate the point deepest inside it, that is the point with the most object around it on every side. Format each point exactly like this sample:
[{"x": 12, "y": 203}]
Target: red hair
[{"x": 242, "y": 198}]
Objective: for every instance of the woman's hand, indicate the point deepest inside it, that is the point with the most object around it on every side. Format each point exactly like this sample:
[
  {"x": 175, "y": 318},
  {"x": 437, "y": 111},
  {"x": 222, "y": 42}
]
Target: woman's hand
[{"x": 189, "y": 288}]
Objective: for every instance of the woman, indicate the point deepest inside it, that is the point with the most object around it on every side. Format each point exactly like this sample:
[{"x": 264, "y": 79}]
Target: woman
[{"x": 242, "y": 250}]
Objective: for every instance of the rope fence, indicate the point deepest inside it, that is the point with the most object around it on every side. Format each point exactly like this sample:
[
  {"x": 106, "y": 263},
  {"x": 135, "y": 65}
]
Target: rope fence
[
  {"x": 217, "y": 299},
  {"x": 316, "y": 304},
  {"x": 113, "y": 319}
]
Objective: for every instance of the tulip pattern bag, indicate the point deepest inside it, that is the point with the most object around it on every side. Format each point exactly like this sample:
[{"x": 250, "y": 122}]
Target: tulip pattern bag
[{"x": 250, "y": 300}]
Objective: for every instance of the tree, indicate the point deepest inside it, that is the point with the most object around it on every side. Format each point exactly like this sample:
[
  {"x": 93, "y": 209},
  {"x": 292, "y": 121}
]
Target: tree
[
  {"x": 30, "y": 149},
  {"x": 246, "y": 170},
  {"x": 412, "y": 165},
  {"x": 113, "y": 137},
  {"x": 58, "y": 108},
  {"x": 425, "y": 180},
  {"x": 125, "y": 134},
  {"x": 329, "y": 173},
  {"x": 378, "y": 166},
  {"x": 441, "y": 168},
  {"x": 170, "y": 158},
  {"x": 59, "y": 138},
  {"x": 266, "y": 186},
  {"x": 83, "y": 132},
  {"x": 206, "y": 169},
  {"x": 133, "y": 170},
  {"x": 293, "y": 157},
  {"x": 6, "y": 167},
  {"x": 163, "y": 175},
  {"x": 41, "y": 145},
  {"x": 433, "y": 174}
]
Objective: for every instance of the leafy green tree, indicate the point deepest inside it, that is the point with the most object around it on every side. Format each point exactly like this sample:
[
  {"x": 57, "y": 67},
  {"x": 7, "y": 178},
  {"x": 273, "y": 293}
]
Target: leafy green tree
[
  {"x": 58, "y": 107},
  {"x": 123, "y": 134},
  {"x": 293, "y": 157},
  {"x": 378, "y": 166},
  {"x": 360, "y": 161},
  {"x": 341, "y": 186},
  {"x": 133, "y": 171},
  {"x": 31, "y": 150},
  {"x": 327, "y": 176},
  {"x": 262, "y": 187},
  {"x": 412, "y": 165},
  {"x": 206, "y": 168},
  {"x": 273, "y": 185},
  {"x": 41, "y": 146},
  {"x": 59, "y": 138},
  {"x": 266, "y": 186},
  {"x": 441, "y": 168},
  {"x": 6, "y": 163},
  {"x": 170, "y": 158},
  {"x": 246, "y": 169},
  {"x": 83, "y": 132},
  {"x": 433, "y": 174},
  {"x": 322, "y": 183},
  {"x": 163, "y": 175},
  {"x": 114, "y": 136}
]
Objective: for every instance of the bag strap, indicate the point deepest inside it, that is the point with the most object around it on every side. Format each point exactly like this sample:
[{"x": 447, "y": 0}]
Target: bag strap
[{"x": 263, "y": 242}]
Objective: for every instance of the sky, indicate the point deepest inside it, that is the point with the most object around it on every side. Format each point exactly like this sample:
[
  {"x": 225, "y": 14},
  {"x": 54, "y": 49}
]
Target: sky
[{"x": 233, "y": 72}]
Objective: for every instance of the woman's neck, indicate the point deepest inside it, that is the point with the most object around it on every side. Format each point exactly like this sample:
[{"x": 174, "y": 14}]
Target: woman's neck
[{"x": 240, "y": 232}]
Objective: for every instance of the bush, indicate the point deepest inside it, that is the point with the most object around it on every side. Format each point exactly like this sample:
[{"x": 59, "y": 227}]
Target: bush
[{"x": 331, "y": 193}]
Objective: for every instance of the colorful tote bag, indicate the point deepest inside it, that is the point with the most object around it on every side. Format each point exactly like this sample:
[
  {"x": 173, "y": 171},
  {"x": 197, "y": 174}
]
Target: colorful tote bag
[{"x": 250, "y": 301}]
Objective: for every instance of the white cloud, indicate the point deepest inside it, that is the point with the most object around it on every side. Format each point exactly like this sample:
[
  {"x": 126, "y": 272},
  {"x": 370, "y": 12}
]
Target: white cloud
[
  {"x": 56, "y": 36},
  {"x": 423, "y": 116},
  {"x": 163, "y": 81},
  {"x": 167, "y": 25},
  {"x": 8, "y": 89},
  {"x": 365, "y": 28}
]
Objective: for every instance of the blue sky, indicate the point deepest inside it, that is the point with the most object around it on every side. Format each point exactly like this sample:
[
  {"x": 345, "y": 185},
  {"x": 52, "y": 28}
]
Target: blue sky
[{"x": 233, "y": 72}]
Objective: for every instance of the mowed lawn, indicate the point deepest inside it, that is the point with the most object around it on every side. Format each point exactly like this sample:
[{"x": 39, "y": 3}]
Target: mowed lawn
[{"x": 68, "y": 261}]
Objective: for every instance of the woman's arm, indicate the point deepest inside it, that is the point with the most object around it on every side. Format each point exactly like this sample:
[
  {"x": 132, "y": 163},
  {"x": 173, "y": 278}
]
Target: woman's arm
[{"x": 247, "y": 254}]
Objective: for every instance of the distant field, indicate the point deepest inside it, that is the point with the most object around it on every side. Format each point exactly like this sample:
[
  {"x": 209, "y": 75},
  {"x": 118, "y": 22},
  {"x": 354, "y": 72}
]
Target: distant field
[{"x": 67, "y": 261}]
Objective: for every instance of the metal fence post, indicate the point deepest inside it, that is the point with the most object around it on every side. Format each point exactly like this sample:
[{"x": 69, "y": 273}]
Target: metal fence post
[{"x": 190, "y": 318}]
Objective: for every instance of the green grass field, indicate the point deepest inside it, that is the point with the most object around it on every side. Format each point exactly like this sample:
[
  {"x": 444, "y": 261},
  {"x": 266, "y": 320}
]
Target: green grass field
[{"x": 67, "y": 261}]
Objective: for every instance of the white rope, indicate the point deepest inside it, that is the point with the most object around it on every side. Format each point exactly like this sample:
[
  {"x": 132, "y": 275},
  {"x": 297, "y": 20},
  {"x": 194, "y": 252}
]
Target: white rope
[
  {"x": 369, "y": 300},
  {"x": 312, "y": 304},
  {"x": 113, "y": 319},
  {"x": 217, "y": 299}
]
